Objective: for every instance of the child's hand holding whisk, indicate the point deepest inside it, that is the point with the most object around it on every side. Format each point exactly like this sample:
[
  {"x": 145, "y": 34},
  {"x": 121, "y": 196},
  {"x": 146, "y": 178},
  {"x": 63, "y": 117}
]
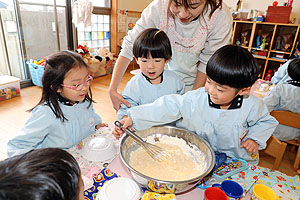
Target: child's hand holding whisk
[{"x": 118, "y": 132}]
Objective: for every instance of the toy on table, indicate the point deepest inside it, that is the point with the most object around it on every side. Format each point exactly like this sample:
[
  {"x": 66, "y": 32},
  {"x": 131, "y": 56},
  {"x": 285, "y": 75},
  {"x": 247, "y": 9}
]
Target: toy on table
[
  {"x": 262, "y": 87},
  {"x": 230, "y": 167},
  {"x": 275, "y": 3},
  {"x": 155, "y": 196}
]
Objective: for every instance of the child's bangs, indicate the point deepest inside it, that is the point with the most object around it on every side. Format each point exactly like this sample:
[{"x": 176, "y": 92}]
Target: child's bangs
[
  {"x": 154, "y": 50},
  {"x": 233, "y": 67},
  {"x": 185, "y": 3}
]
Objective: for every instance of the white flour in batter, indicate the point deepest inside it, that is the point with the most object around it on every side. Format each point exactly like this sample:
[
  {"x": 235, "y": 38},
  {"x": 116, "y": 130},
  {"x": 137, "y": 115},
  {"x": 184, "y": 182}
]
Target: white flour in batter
[{"x": 183, "y": 162}]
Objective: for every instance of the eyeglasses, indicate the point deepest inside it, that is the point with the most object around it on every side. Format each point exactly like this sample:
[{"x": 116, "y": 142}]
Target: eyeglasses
[{"x": 79, "y": 87}]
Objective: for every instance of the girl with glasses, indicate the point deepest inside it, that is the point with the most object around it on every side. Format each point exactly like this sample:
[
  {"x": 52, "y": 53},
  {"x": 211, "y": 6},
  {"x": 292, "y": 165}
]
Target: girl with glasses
[{"x": 65, "y": 114}]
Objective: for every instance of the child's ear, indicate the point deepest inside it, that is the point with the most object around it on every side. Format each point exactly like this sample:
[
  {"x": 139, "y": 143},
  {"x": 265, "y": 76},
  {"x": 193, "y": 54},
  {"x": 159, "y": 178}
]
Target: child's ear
[
  {"x": 58, "y": 90},
  {"x": 244, "y": 91},
  {"x": 167, "y": 61}
]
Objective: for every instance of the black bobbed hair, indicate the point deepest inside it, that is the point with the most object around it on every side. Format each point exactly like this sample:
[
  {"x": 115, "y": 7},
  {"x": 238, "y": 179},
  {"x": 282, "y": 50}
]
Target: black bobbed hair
[
  {"x": 233, "y": 66},
  {"x": 294, "y": 69},
  {"x": 152, "y": 42}
]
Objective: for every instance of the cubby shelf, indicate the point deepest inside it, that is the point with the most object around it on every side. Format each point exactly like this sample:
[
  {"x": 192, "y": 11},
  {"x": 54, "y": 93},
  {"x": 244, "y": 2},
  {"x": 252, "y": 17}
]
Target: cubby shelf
[{"x": 246, "y": 33}]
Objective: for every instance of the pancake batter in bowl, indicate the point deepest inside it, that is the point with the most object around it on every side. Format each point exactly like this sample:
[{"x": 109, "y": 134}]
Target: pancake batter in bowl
[{"x": 184, "y": 161}]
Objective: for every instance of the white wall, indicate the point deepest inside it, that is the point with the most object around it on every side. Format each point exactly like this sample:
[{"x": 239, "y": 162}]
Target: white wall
[
  {"x": 263, "y": 5},
  {"x": 133, "y": 5}
]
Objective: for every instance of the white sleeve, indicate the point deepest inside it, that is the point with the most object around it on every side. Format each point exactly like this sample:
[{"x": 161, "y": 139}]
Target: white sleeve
[
  {"x": 219, "y": 35},
  {"x": 150, "y": 18}
]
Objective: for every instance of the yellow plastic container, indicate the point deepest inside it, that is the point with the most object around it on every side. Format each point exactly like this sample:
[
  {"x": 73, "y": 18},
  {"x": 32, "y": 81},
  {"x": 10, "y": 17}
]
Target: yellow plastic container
[{"x": 263, "y": 192}]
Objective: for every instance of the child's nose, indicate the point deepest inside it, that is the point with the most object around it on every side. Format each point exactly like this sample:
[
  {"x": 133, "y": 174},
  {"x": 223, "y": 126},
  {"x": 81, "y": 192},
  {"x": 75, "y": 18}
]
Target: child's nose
[
  {"x": 183, "y": 12},
  {"x": 85, "y": 87},
  {"x": 211, "y": 90},
  {"x": 151, "y": 65}
]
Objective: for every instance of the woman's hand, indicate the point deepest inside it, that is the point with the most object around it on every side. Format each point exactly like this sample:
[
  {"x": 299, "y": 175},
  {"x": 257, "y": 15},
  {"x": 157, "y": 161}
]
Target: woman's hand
[
  {"x": 117, "y": 100},
  {"x": 119, "y": 70}
]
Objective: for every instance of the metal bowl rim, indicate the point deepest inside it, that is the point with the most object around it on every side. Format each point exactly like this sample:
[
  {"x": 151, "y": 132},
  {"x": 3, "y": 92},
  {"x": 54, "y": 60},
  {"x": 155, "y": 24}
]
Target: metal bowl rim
[{"x": 170, "y": 182}]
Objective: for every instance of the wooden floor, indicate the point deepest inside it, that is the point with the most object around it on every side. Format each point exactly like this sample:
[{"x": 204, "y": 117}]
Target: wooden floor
[{"x": 13, "y": 115}]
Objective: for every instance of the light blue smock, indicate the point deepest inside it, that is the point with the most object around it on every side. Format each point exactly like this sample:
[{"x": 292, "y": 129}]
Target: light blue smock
[
  {"x": 43, "y": 129},
  {"x": 223, "y": 129},
  {"x": 284, "y": 96},
  {"x": 281, "y": 75},
  {"x": 139, "y": 90}
]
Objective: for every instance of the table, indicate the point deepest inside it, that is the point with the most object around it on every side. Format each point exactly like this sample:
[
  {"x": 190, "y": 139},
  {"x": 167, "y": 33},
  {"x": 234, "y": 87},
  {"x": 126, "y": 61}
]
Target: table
[{"x": 288, "y": 186}]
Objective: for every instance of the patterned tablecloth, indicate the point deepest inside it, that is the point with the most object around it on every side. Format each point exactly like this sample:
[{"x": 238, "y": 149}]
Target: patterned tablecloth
[
  {"x": 89, "y": 169},
  {"x": 286, "y": 187}
]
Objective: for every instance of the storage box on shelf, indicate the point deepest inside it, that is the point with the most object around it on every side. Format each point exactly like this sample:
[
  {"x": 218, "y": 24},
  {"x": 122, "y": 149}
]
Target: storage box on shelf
[
  {"x": 270, "y": 43},
  {"x": 278, "y": 14},
  {"x": 9, "y": 87}
]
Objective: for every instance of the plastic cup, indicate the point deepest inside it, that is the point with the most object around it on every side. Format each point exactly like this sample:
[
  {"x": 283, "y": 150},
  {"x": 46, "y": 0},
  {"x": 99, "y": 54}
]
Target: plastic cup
[
  {"x": 214, "y": 193},
  {"x": 263, "y": 192},
  {"x": 232, "y": 189}
]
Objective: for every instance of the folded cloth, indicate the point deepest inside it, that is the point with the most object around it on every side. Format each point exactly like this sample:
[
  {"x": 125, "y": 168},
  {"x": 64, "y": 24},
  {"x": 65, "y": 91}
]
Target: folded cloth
[{"x": 99, "y": 180}]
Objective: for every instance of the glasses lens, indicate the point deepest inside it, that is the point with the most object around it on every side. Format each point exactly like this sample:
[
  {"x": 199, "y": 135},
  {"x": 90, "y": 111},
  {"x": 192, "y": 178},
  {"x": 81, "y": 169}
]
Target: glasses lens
[{"x": 79, "y": 87}]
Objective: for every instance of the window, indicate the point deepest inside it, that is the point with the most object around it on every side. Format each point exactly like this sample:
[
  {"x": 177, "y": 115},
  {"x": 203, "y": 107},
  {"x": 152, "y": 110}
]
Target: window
[{"x": 98, "y": 34}]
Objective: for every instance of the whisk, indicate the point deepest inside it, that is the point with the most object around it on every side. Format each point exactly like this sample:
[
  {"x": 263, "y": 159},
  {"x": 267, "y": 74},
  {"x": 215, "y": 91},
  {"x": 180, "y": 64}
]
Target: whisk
[{"x": 156, "y": 152}]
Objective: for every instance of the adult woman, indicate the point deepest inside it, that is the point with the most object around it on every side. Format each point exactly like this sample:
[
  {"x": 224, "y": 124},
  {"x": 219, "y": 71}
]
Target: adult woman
[{"x": 196, "y": 29}]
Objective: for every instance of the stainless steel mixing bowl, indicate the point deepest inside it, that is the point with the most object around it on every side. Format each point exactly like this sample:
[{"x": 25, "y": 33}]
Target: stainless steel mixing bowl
[{"x": 128, "y": 145}]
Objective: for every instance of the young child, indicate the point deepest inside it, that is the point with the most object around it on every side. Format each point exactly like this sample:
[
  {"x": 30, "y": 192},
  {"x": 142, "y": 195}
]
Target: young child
[
  {"x": 281, "y": 75},
  {"x": 222, "y": 112},
  {"x": 48, "y": 173},
  {"x": 152, "y": 50},
  {"x": 65, "y": 114},
  {"x": 286, "y": 96}
]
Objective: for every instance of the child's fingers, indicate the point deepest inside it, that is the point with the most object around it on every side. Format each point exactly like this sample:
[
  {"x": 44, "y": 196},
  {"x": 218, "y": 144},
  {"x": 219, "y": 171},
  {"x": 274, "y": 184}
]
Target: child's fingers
[
  {"x": 127, "y": 123},
  {"x": 101, "y": 125},
  {"x": 117, "y": 134}
]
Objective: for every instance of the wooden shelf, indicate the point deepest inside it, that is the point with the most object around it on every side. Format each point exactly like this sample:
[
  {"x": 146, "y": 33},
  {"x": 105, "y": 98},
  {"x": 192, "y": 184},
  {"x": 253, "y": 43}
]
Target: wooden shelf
[
  {"x": 258, "y": 49},
  {"x": 283, "y": 52},
  {"x": 257, "y": 28},
  {"x": 260, "y": 57},
  {"x": 278, "y": 59}
]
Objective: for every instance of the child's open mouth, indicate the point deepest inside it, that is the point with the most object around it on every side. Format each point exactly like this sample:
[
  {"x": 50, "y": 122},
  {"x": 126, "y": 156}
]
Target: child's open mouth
[{"x": 151, "y": 74}]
